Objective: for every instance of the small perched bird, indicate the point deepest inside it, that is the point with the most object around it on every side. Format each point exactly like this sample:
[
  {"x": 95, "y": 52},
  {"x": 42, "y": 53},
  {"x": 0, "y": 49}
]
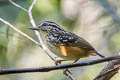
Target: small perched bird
[{"x": 64, "y": 44}]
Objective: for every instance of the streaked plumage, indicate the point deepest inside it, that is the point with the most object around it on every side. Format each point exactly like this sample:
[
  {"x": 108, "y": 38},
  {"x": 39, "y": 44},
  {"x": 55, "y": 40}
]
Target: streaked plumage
[{"x": 64, "y": 44}]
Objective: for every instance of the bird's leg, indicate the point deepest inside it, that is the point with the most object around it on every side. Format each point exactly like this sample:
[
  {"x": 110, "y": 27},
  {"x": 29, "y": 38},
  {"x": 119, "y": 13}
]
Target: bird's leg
[{"x": 58, "y": 61}]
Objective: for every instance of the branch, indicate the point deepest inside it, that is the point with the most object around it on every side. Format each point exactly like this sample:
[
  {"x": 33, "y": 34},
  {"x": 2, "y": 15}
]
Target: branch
[
  {"x": 110, "y": 73},
  {"x": 28, "y": 37},
  {"x": 37, "y": 33},
  {"x": 109, "y": 70},
  {"x": 18, "y": 5},
  {"x": 29, "y": 11},
  {"x": 51, "y": 68},
  {"x": 17, "y": 30}
]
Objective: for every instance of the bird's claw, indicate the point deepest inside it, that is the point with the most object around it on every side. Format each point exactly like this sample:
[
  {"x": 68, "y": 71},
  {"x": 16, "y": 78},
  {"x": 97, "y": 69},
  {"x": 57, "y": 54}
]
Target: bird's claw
[{"x": 58, "y": 62}]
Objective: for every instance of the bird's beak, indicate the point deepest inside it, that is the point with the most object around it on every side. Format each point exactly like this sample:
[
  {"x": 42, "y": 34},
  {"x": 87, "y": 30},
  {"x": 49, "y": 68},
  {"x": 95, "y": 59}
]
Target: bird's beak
[{"x": 34, "y": 28}]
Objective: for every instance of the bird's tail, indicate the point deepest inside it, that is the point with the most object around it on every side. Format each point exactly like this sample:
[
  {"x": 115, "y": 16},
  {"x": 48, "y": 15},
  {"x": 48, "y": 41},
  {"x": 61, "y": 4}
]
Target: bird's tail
[
  {"x": 95, "y": 53},
  {"x": 102, "y": 56}
]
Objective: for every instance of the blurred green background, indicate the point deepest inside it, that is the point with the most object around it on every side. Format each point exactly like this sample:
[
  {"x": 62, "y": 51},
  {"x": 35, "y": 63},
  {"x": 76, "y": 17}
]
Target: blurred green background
[{"x": 97, "y": 21}]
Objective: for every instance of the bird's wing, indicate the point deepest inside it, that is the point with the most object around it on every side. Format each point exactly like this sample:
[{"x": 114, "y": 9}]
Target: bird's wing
[{"x": 72, "y": 39}]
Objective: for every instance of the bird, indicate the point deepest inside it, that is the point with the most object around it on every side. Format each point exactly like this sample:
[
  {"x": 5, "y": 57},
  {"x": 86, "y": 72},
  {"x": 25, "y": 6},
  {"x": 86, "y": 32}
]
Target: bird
[{"x": 64, "y": 44}]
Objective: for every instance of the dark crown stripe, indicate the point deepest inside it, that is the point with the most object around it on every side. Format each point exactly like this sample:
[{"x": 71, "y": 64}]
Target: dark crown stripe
[{"x": 52, "y": 23}]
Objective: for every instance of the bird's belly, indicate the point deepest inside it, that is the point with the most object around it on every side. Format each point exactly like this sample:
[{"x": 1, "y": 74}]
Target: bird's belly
[
  {"x": 69, "y": 53},
  {"x": 57, "y": 52}
]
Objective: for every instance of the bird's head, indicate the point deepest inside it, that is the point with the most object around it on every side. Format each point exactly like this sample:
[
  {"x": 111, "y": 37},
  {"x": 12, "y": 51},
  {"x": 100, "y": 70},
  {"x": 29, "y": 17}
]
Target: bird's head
[{"x": 46, "y": 26}]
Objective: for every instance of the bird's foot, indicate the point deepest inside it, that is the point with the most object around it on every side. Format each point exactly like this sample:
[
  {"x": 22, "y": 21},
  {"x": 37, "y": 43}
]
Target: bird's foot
[
  {"x": 58, "y": 62},
  {"x": 76, "y": 60}
]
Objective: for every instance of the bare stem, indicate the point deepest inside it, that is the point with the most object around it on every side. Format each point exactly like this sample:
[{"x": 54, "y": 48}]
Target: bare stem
[
  {"x": 37, "y": 33},
  {"x": 58, "y": 67},
  {"x": 109, "y": 70},
  {"x": 18, "y": 5},
  {"x": 17, "y": 30},
  {"x": 29, "y": 11},
  {"x": 115, "y": 70}
]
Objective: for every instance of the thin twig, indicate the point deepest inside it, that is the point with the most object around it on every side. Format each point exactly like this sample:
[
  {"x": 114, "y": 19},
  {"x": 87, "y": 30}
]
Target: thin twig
[
  {"x": 17, "y": 30},
  {"x": 107, "y": 72},
  {"x": 58, "y": 67},
  {"x": 37, "y": 33},
  {"x": 40, "y": 40},
  {"x": 66, "y": 72},
  {"x": 69, "y": 74},
  {"x": 29, "y": 11},
  {"x": 18, "y": 5}
]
